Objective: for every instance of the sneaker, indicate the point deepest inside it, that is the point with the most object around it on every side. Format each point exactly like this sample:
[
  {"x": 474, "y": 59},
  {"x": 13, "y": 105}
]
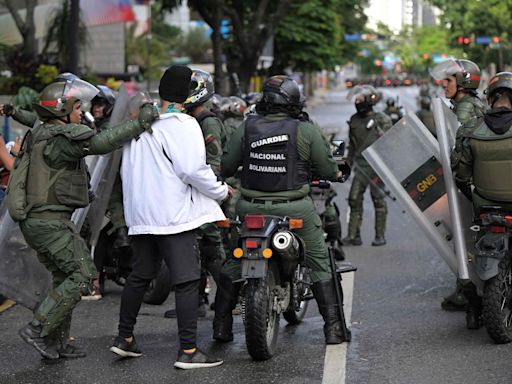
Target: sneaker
[
  {"x": 71, "y": 352},
  {"x": 32, "y": 336},
  {"x": 125, "y": 349},
  {"x": 194, "y": 360}
]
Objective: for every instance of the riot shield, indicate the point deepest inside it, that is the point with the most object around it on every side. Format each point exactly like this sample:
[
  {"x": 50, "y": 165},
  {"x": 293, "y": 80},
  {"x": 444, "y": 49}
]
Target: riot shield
[
  {"x": 22, "y": 277},
  {"x": 461, "y": 211},
  {"x": 406, "y": 157},
  {"x": 103, "y": 169}
]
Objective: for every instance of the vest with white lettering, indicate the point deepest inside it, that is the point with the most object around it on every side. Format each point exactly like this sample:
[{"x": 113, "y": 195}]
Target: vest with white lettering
[{"x": 271, "y": 161}]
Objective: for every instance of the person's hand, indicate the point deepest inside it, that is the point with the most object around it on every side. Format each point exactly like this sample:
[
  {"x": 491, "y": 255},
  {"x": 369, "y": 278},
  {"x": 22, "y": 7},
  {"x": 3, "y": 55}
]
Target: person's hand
[
  {"x": 147, "y": 115},
  {"x": 7, "y": 110},
  {"x": 17, "y": 146},
  {"x": 230, "y": 194}
]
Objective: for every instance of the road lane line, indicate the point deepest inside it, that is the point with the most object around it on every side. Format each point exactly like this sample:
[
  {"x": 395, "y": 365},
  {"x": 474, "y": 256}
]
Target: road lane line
[{"x": 335, "y": 362}]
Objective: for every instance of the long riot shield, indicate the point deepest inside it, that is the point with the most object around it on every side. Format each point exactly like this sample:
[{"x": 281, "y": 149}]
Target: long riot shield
[
  {"x": 103, "y": 170},
  {"x": 461, "y": 211},
  {"x": 406, "y": 158},
  {"x": 22, "y": 277}
]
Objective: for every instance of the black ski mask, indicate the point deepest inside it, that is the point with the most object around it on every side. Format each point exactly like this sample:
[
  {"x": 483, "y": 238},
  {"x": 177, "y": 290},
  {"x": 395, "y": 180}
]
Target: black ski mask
[{"x": 363, "y": 107}]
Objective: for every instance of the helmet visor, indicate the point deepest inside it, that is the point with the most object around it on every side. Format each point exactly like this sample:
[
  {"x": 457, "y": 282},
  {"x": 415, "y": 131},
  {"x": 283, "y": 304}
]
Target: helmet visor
[
  {"x": 80, "y": 90},
  {"x": 364, "y": 90},
  {"x": 445, "y": 69}
]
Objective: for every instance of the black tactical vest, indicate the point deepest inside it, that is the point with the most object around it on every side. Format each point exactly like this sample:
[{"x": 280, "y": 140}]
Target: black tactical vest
[{"x": 271, "y": 160}]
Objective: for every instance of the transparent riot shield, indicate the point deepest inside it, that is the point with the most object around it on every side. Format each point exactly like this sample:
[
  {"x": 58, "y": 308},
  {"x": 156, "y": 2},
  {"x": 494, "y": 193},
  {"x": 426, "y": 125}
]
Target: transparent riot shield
[
  {"x": 103, "y": 170},
  {"x": 406, "y": 157},
  {"x": 22, "y": 277},
  {"x": 461, "y": 210}
]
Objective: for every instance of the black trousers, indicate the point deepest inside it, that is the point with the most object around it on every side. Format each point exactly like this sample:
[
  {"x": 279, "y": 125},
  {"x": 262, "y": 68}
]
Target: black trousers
[{"x": 180, "y": 253}]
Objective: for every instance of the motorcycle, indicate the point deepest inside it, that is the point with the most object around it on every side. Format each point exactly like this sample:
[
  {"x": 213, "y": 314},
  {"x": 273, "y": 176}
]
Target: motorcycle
[
  {"x": 115, "y": 264},
  {"x": 494, "y": 267}
]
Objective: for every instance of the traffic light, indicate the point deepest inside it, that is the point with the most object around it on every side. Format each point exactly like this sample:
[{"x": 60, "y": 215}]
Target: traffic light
[
  {"x": 496, "y": 40},
  {"x": 464, "y": 40}
]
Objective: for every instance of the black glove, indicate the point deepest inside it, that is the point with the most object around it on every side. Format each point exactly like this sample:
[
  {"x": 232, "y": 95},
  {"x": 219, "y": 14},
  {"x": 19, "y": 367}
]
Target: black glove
[
  {"x": 9, "y": 110},
  {"x": 345, "y": 171},
  {"x": 148, "y": 113}
]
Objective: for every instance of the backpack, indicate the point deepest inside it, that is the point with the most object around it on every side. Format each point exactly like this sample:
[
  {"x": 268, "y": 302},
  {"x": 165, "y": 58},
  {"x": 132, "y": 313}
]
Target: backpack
[{"x": 16, "y": 199}]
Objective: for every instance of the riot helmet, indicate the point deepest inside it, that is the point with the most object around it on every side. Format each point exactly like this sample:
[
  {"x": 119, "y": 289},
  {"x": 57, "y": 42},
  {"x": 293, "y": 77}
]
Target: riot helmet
[
  {"x": 500, "y": 84},
  {"x": 364, "y": 97},
  {"x": 105, "y": 97},
  {"x": 425, "y": 102},
  {"x": 390, "y": 102},
  {"x": 201, "y": 89},
  {"x": 282, "y": 90},
  {"x": 58, "y": 99},
  {"x": 237, "y": 106},
  {"x": 253, "y": 98},
  {"x": 467, "y": 73}
]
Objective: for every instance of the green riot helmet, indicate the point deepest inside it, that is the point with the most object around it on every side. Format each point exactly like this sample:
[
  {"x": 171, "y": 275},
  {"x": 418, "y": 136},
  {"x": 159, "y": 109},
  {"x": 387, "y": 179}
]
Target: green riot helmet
[
  {"x": 467, "y": 73},
  {"x": 201, "y": 90},
  {"x": 237, "y": 106},
  {"x": 58, "y": 99},
  {"x": 282, "y": 90},
  {"x": 499, "y": 84}
]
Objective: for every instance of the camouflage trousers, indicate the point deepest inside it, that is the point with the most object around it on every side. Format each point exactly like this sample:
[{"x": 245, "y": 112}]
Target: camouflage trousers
[
  {"x": 355, "y": 202},
  {"x": 65, "y": 255}
]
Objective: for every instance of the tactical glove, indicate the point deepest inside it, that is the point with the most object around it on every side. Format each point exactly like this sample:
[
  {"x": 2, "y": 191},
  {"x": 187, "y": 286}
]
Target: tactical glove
[
  {"x": 345, "y": 171},
  {"x": 8, "y": 110},
  {"x": 147, "y": 115}
]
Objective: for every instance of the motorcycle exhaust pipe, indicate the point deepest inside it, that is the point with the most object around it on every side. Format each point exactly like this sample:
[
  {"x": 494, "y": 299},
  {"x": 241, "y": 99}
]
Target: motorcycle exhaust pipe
[{"x": 286, "y": 244}]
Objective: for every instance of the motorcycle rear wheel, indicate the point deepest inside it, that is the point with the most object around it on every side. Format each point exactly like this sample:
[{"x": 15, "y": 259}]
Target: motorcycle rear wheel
[
  {"x": 261, "y": 318},
  {"x": 497, "y": 304}
]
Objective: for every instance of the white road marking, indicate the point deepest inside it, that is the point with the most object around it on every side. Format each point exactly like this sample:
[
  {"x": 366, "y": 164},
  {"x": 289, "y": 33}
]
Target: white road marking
[{"x": 335, "y": 362}]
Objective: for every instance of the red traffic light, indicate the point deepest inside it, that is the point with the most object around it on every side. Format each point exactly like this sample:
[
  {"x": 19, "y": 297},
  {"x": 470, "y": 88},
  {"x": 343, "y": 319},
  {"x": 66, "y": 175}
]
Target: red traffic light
[
  {"x": 464, "y": 40},
  {"x": 496, "y": 39}
]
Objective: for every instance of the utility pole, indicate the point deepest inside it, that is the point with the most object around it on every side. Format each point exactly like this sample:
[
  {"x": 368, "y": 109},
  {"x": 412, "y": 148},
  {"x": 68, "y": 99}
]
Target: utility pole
[{"x": 74, "y": 20}]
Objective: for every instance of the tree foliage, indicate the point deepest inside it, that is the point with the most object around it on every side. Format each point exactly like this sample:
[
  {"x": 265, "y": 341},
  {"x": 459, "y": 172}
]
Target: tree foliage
[{"x": 307, "y": 39}]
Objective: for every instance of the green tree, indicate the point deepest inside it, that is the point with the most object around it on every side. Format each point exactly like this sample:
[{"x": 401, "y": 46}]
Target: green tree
[{"x": 307, "y": 39}]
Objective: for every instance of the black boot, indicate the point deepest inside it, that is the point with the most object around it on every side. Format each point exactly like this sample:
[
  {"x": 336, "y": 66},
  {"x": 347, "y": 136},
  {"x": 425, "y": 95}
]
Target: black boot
[
  {"x": 225, "y": 301},
  {"x": 474, "y": 307},
  {"x": 32, "y": 336},
  {"x": 325, "y": 295}
]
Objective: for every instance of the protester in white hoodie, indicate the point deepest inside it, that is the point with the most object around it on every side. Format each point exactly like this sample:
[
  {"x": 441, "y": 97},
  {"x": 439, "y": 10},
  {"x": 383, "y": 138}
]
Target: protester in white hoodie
[{"x": 169, "y": 191}]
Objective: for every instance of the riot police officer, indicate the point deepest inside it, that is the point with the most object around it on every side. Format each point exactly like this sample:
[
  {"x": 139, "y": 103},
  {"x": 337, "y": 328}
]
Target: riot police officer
[
  {"x": 461, "y": 79},
  {"x": 57, "y": 184},
  {"x": 210, "y": 241},
  {"x": 234, "y": 114},
  {"x": 393, "y": 110},
  {"x": 484, "y": 162},
  {"x": 365, "y": 126},
  {"x": 297, "y": 146},
  {"x": 426, "y": 116}
]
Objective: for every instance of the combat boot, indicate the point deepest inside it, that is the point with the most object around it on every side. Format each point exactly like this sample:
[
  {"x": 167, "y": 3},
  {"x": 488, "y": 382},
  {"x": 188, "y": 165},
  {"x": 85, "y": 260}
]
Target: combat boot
[
  {"x": 325, "y": 295},
  {"x": 474, "y": 307},
  {"x": 379, "y": 240},
  {"x": 32, "y": 336},
  {"x": 225, "y": 300}
]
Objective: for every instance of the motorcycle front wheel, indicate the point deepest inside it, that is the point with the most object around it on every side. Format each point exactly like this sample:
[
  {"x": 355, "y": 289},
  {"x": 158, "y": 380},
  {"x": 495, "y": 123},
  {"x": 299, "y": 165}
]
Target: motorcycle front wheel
[
  {"x": 261, "y": 318},
  {"x": 497, "y": 304}
]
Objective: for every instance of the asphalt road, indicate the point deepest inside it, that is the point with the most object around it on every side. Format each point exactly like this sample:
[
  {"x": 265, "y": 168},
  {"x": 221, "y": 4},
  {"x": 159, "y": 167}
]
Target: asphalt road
[{"x": 400, "y": 333}]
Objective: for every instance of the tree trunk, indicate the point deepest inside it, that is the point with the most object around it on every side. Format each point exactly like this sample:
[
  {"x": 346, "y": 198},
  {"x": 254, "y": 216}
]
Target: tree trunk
[{"x": 220, "y": 76}]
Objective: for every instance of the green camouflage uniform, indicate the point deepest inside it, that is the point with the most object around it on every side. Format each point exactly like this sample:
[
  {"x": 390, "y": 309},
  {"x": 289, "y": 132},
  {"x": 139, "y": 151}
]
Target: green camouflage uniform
[
  {"x": 48, "y": 228},
  {"x": 312, "y": 147},
  {"x": 427, "y": 117},
  {"x": 361, "y": 137},
  {"x": 229, "y": 207},
  {"x": 209, "y": 236}
]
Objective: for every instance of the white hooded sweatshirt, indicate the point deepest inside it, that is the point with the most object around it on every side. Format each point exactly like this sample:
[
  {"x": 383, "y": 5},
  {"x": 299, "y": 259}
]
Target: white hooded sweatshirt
[{"x": 167, "y": 186}]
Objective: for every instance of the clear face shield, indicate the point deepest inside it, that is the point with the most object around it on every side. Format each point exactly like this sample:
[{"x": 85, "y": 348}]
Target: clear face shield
[
  {"x": 445, "y": 69},
  {"x": 80, "y": 90},
  {"x": 365, "y": 90}
]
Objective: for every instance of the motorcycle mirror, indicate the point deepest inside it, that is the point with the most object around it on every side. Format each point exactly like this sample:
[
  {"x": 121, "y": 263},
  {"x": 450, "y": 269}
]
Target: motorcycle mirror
[{"x": 340, "y": 148}]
